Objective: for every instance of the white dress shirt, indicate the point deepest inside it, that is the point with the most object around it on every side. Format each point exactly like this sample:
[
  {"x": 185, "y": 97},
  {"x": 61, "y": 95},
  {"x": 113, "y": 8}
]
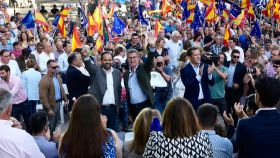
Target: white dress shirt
[
  {"x": 31, "y": 79},
  {"x": 36, "y": 54},
  {"x": 43, "y": 59},
  {"x": 63, "y": 63},
  {"x": 17, "y": 143},
  {"x": 174, "y": 50},
  {"x": 198, "y": 77},
  {"x": 14, "y": 68},
  {"x": 109, "y": 96}
]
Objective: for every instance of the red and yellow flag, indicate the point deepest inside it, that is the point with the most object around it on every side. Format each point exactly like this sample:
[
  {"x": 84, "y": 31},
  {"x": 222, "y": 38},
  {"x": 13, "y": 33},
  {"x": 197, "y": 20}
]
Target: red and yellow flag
[
  {"x": 166, "y": 7},
  {"x": 97, "y": 19},
  {"x": 39, "y": 19},
  {"x": 91, "y": 26},
  {"x": 65, "y": 12},
  {"x": 245, "y": 4},
  {"x": 158, "y": 27},
  {"x": 276, "y": 11},
  {"x": 267, "y": 10},
  {"x": 240, "y": 19},
  {"x": 210, "y": 13},
  {"x": 251, "y": 11},
  {"x": 76, "y": 43},
  {"x": 227, "y": 35},
  {"x": 61, "y": 27},
  {"x": 190, "y": 18}
]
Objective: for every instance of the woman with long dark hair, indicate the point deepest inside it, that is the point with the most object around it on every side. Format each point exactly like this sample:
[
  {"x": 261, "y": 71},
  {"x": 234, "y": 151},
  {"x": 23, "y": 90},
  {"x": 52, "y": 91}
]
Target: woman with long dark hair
[{"x": 87, "y": 135}]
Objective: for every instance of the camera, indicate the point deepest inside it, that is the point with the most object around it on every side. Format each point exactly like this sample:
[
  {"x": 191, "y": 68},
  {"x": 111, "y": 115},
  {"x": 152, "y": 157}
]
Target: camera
[
  {"x": 210, "y": 59},
  {"x": 252, "y": 70}
]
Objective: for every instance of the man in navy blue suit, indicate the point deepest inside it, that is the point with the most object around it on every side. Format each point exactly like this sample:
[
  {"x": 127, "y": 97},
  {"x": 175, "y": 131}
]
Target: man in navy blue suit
[
  {"x": 259, "y": 136},
  {"x": 196, "y": 76}
]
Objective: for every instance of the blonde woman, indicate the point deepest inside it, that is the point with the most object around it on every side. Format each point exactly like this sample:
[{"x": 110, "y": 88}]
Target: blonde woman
[{"x": 141, "y": 129}]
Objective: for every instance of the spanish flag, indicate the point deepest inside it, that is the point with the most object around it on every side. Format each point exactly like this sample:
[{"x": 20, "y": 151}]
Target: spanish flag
[
  {"x": 190, "y": 18},
  {"x": 267, "y": 10},
  {"x": 251, "y": 11},
  {"x": 91, "y": 26},
  {"x": 158, "y": 27},
  {"x": 166, "y": 7},
  {"x": 276, "y": 11},
  {"x": 76, "y": 43},
  {"x": 61, "y": 27},
  {"x": 240, "y": 19},
  {"x": 97, "y": 20},
  {"x": 210, "y": 13},
  {"x": 245, "y": 4},
  {"x": 225, "y": 14},
  {"x": 39, "y": 19},
  {"x": 207, "y": 2},
  {"x": 65, "y": 12},
  {"x": 99, "y": 43},
  {"x": 227, "y": 35}
]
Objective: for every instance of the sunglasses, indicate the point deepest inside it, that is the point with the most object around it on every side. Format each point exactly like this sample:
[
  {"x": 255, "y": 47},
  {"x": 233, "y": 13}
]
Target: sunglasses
[
  {"x": 55, "y": 67},
  {"x": 237, "y": 57},
  {"x": 276, "y": 66}
]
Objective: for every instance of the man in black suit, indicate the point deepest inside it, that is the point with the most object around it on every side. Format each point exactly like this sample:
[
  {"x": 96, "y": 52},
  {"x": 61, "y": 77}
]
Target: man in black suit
[
  {"x": 137, "y": 81},
  {"x": 259, "y": 136},
  {"x": 234, "y": 85},
  {"x": 105, "y": 86},
  {"x": 21, "y": 60},
  {"x": 78, "y": 79},
  {"x": 197, "y": 77}
]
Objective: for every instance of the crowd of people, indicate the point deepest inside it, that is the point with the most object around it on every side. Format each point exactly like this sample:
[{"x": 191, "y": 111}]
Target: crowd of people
[{"x": 180, "y": 93}]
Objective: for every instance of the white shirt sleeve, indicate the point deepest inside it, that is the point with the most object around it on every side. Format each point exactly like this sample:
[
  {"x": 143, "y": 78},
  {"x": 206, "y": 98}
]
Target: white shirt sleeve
[
  {"x": 62, "y": 66},
  {"x": 30, "y": 148},
  {"x": 42, "y": 64}
]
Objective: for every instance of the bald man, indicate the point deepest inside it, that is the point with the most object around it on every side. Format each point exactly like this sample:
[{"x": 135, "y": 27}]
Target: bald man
[{"x": 45, "y": 56}]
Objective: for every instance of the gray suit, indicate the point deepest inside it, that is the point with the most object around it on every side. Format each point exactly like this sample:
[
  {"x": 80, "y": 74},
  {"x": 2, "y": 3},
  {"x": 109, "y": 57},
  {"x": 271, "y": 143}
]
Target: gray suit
[{"x": 98, "y": 82}]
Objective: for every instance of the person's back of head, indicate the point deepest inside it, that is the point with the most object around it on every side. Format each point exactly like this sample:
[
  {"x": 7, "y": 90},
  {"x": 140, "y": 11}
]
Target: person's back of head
[
  {"x": 207, "y": 116},
  {"x": 142, "y": 129},
  {"x": 85, "y": 135},
  {"x": 39, "y": 123},
  {"x": 179, "y": 119},
  {"x": 6, "y": 101},
  {"x": 267, "y": 91}
]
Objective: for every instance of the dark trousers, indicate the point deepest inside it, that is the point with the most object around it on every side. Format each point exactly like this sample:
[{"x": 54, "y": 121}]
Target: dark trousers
[
  {"x": 221, "y": 103},
  {"x": 23, "y": 109},
  {"x": 110, "y": 111},
  {"x": 54, "y": 119},
  {"x": 33, "y": 104},
  {"x": 123, "y": 114},
  {"x": 161, "y": 101},
  {"x": 232, "y": 96},
  {"x": 134, "y": 109}
]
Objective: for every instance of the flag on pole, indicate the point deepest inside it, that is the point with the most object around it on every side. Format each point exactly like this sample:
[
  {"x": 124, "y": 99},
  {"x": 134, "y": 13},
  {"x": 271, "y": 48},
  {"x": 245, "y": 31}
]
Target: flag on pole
[
  {"x": 97, "y": 19},
  {"x": 65, "y": 12},
  {"x": 91, "y": 26},
  {"x": 197, "y": 19},
  {"x": 210, "y": 13},
  {"x": 28, "y": 20},
  {"x": 39, "y": 19},
  {"x": 276, "y": 11},
  {"x": 158, "y": 27},
  {"x": 166, "y": 7},
  {"x": 84, "y": 21},
  {"x": 256, "y": 31},
  {"x": 55, "y": 21},
  {"x": 267, "y": 10},
  {"x": 140, "y": 16},
  {"x": 118, "y": 25},
  {"x": 235, "y": 11},
  {"x": 240, "y": 19},
  {"x": 61, "y": 27},
  {"x": 227, "y": 35},
  {"x": 76, "y": 43}
]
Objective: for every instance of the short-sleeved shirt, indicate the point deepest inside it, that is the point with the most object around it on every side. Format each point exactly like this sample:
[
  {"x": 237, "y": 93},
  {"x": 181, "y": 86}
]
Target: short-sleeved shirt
[{"x": 218, "y": 89}]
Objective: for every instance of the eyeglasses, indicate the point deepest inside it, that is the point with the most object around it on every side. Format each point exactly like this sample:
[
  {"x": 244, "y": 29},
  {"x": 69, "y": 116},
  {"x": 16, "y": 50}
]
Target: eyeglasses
[
  {"x": 7, "y": 56},
  {"x": 237, "y": 57}
]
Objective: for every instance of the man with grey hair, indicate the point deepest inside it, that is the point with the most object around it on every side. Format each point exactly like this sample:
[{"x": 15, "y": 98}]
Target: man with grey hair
[
  {"x": 174, "y": 46},
  {"x": 217, "y": 47},
  {"x": 14, "y": 142}
]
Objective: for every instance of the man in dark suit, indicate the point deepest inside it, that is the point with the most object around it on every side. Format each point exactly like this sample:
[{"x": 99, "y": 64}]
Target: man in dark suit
[
  {"x": 105, "y": 86},
  {"x": 234, "y": 85},
  {"x": 78, "y": 79},
  {"x": 196, "y": 77},
  {"x": 25, "y": 55},
  {"x": 259, "y": 136},
  {"x": 137, "y": 81}
]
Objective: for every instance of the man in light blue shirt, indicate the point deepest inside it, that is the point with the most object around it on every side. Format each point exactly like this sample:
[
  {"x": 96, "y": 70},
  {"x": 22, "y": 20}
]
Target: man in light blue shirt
[
  {"x": 31, "y": 79},
  {"x": 207, "y": 116}
]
